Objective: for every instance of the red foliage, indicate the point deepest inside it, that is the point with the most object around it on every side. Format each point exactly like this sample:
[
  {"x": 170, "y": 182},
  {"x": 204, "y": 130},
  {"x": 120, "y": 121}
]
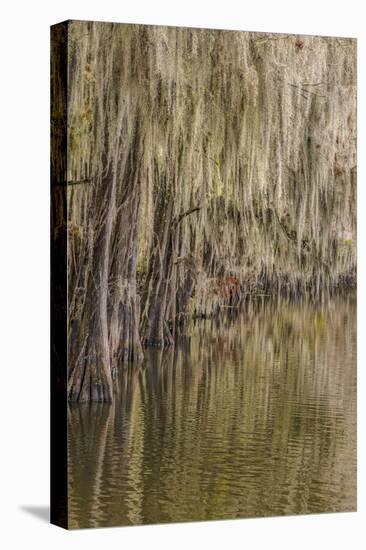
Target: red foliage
[
  {"x": 299, "y": 44},
  {"x": 226, "y": 287}
]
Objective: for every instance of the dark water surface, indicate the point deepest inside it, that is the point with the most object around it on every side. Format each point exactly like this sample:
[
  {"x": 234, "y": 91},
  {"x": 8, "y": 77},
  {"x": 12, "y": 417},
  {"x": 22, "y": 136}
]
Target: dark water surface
[{"x": 248, "y": 415}]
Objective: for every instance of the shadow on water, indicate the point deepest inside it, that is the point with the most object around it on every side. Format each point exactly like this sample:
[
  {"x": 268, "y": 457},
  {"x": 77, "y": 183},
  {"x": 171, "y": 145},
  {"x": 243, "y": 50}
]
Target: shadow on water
[
  {"x": 248, "y": 415},
  {"x": 40, "y": 512}
]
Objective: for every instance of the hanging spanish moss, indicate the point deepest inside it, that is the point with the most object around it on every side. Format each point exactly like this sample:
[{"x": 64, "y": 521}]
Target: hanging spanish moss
[{"x": 204, "y": 167}]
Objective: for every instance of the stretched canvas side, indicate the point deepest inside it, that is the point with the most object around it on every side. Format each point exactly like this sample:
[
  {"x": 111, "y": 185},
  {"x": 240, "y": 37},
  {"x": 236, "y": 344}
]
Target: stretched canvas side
[{"x": 59, "y": 68}]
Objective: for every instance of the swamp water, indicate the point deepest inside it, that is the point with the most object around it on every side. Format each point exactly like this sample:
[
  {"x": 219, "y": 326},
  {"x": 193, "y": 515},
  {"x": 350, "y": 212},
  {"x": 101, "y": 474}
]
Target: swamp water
[{"x": 251, "y": 414}]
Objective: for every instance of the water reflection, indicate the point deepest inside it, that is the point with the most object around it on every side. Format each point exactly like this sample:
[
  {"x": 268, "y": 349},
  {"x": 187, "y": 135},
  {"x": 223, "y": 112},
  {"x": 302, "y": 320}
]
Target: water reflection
[{"x": 249, "y": 415}]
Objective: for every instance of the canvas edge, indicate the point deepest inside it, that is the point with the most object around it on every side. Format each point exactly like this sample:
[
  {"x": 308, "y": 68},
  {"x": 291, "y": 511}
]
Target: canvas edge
[{"x": 58, "y": 257}]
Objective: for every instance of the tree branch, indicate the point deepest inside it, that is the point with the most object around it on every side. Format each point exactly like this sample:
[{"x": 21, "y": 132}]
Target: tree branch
[
  {"x": 184, "y": 214},
  {"x": 71, "y": 182}
]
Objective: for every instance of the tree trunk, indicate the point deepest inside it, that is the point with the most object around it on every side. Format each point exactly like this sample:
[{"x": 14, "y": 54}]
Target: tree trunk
[
  {"x": 155, "y": 329},
  {"x": 124, "y": 302}
]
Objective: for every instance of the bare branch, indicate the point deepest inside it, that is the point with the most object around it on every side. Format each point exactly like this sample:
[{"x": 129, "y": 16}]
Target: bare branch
[{"x": 184, "y": 214}]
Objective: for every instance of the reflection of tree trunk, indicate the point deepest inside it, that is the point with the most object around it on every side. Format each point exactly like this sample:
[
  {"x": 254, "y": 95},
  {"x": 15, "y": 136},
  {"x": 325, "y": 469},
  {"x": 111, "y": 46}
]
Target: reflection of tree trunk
[
  {"x": 90, "y": 427},
  {"x": 101, "y": 450}
]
